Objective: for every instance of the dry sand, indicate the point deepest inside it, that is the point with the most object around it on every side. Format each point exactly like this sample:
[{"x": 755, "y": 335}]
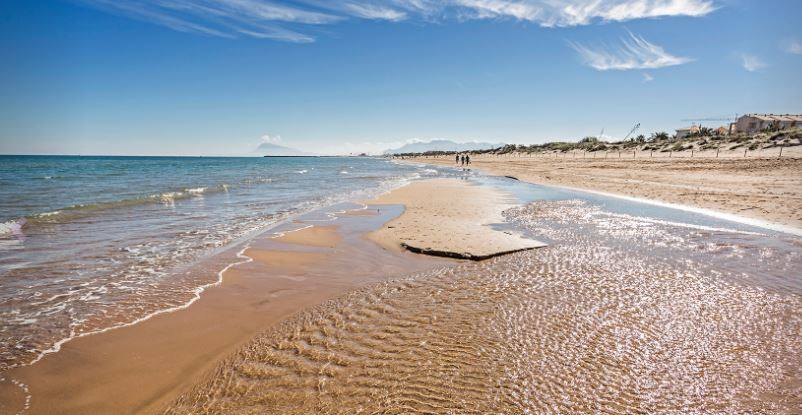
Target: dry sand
[
  {"x": 768, "y": 189},
  {"x": 449, "y": 217}
]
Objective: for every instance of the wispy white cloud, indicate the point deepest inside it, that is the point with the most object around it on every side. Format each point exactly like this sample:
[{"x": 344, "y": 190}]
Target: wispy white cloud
[
  {"x": 561, "y": 13},
  {"x": 140, "y": 11},
  {"x": 375, "y": 12},
  {"x": 292, "y": 20},
  {"x": 486, "y": 9},
  {"x": 277, "y": 33},
  {"x": 271, "y": 139},
  {"x": 222, "y": 18},
  {"x": 639, "y": 9},
  {"x": 793, "y": 47},
  {"x": 647, "y": 77},
  {"x": 634, "y": 52},
  {"x": 552, "y": 13},
  {"x": 752, "y": 63}
]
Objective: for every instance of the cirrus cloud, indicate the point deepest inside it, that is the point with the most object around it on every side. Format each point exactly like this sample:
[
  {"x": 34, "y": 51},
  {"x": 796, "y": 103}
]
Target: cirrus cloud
[
  {"x": 292, "y": 21},
  {"x": 634, "y": 52}
]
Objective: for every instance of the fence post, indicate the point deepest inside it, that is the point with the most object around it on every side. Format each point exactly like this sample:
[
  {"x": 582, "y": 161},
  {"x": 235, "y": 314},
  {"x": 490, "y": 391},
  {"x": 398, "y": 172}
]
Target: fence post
[
  {"x": 633, "y": 154},
  {"x": 745, "y": 151},
  {"x": 717, "y": 149},
  {"x": 781, "y": 151}
]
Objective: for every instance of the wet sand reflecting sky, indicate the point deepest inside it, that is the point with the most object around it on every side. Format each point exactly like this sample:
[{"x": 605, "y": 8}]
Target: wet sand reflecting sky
[{"x": 620, "y": 315}]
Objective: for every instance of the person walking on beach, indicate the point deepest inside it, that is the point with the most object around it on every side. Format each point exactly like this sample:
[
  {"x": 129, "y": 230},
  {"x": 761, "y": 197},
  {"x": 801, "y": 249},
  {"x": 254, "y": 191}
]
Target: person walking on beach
[
  {"x": 467, "y": 159},
  {"x": 457, "y": 161},
  {"x": 463, "y": 159}
]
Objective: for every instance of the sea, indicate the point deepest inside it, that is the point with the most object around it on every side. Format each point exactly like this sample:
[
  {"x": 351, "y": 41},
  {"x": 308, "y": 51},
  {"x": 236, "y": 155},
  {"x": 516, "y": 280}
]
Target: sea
[{"x": 92, "y": 243}]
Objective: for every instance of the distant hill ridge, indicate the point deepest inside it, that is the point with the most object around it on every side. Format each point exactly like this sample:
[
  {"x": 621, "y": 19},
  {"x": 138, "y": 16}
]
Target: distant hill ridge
[
  {"x": 441, "y": 145},
  {"x": 270, "y": 149}
]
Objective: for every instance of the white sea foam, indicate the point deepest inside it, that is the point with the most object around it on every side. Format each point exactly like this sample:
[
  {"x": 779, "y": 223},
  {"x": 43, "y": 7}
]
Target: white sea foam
[
  {"x": 168, "y": 198},
  {"x": 196, "y": 293},
  {"x": 196, "y": 296},
  {"x": 12, "y": 227},
  {"x": 46, "y": 214}
]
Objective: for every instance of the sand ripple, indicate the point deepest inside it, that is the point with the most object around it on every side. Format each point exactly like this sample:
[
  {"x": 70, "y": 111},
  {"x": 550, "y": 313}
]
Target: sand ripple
[{"x": 618, "y": 315}]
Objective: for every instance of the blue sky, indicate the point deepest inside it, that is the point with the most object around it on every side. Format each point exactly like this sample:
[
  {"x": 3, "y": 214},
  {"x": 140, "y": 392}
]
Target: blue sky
[{"x": 217, "y": 77}]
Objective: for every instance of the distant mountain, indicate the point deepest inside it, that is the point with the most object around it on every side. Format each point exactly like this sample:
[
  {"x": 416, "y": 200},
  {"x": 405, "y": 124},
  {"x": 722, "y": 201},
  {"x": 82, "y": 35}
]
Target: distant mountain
[
  {"x": 270, "y": 149},
  {"x": 441, "y": 145}
]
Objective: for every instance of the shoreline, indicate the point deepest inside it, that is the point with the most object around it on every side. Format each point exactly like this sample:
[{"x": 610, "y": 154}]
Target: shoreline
[
  {"x": 242, "y": 259},
  {"x": 300, "y": 276},
  {"x": 283, "y": 219},
  {"x": 314, "y": 259},
  {"x": 750, "y": 193},
  {"x": 120, "y": 250},
  {"x": 238, "y": 259}
]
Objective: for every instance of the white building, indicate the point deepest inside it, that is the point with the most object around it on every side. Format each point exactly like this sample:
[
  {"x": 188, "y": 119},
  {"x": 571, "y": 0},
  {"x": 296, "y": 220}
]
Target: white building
[
  {"x": 754, "y": 123},
  {"x": 684, "y": 132}
]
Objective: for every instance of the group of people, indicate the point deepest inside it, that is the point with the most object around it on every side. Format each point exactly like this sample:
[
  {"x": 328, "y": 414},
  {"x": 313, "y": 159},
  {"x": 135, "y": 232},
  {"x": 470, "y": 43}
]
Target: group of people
[{"x": 463, "y": 160}]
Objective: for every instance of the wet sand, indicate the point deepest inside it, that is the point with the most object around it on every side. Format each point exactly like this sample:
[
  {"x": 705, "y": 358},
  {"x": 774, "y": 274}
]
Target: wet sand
[
  {"x": 139, "y": 369},
  {"x": 619, "y": 314},
  {"x": 766, "y": 188}
]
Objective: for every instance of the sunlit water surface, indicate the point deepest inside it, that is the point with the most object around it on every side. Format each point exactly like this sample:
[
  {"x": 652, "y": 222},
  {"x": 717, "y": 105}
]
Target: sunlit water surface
[{"x": 90, "y": 243}]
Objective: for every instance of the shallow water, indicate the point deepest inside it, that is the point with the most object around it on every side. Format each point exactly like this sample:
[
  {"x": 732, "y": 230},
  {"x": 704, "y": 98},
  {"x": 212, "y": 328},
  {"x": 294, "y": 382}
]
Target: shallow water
[
  {"x": 631, "y": 309},
  {"x": 88, "y": 243}
]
